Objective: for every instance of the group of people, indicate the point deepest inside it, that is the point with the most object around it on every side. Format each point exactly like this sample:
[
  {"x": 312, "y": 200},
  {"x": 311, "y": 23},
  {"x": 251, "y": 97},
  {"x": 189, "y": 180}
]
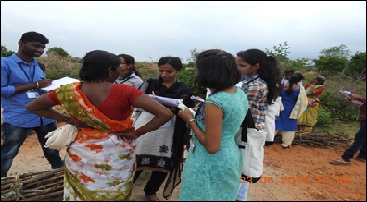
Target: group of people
[
  {"x": 299, "y": 106},
  {"x": 123, "y": 131},
  {"x": 308, "y": 118},
  {"x": 294, "y": 102}
]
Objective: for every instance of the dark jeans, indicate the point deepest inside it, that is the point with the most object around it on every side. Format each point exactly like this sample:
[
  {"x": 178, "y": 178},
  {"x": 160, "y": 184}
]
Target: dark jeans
[
  {"x": 155, "y": 181},
  {"x": 13, "y": 138},
  {"x": 358, "y": 144}
]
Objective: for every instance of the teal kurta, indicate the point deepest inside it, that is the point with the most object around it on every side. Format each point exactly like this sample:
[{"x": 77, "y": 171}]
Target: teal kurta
[{"x": 216, "y": 177}]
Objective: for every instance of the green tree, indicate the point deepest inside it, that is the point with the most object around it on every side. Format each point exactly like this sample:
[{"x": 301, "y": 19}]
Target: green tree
[
  {"x": 5, "y": 52},
  {"x": 331, "y": 65},
  {"x": 58, "y": 51},
  {"x": 191, "y": 60},
  {"x": 336, "y": 51},
  {"x": 333, "y": 60},
  {"x": 280, "y": 52},
  {"x": 300, "y": 64},
  {"x": 357, "y": 66}
]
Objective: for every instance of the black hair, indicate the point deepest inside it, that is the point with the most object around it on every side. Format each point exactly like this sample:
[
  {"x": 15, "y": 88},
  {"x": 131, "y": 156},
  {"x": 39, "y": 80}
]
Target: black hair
[
  {"x": 130, "y": 60},
  {"x": 289, "y": 71},
  {"x": 320, "y": 80},
  {"x": 293, "y": 79},
  {"x": 33, "y": 37},
  {"x": 216, "y": 69},
  {"x": 268, "y": 70},
  {"x": 175, "y": 62},
  {"x": 96, "y": 65}
]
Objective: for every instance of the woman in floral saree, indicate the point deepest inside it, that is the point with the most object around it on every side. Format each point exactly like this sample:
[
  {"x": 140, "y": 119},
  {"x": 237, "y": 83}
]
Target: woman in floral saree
[
  {"x": 100, "y": 162},
  {"x": 314, "y": 90}
]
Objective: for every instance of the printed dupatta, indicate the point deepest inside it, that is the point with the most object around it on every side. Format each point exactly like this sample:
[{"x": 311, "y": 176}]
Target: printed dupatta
[
  {"x": 76, "y": 103},
  {"x": 315, "y": 88}
]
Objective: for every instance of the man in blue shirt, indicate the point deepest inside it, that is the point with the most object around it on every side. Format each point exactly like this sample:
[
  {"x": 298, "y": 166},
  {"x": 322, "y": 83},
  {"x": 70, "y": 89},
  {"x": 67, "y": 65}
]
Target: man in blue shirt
[{"x": 21, "y": 82}]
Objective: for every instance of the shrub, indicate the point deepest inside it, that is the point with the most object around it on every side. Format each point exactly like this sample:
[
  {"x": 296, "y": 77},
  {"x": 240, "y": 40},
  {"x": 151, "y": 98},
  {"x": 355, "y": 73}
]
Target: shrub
[
  {"x": 323, "y": 117},
  {"x": 188, "y": 76},
  {"x": 339, "y": 107},
  {"x": 58, "y": 67}
]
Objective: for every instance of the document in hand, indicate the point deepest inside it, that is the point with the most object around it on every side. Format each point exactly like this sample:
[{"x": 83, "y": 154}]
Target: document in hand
[
  {"x": 197, "y": 99},
  {"x": 166, "y": 101},
  {"x": 347, "y": 93},
  {"x": 57, "y": 83},
  {"x": 183, "y": 107}
]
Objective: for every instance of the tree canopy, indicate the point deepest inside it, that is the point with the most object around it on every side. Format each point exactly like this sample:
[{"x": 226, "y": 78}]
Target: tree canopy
[
  {"x": 57, "y": 50},
  {"x": 5, "y": 52}
]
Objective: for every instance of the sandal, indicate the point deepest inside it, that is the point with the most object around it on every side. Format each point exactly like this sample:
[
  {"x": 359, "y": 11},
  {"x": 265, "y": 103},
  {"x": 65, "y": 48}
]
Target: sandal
[{"x": 339, "y": 162}]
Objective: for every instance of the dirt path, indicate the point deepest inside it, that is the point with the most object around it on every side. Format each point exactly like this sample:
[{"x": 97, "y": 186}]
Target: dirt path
[{"x": 296, "y": 174}]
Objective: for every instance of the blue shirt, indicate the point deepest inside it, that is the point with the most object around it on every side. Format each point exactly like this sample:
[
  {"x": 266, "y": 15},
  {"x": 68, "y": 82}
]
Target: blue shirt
[{"x": 15, "y": 72}]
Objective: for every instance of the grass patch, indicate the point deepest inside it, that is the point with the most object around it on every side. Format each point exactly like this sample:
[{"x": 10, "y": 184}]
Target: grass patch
[{"x": 348, "y": 128}]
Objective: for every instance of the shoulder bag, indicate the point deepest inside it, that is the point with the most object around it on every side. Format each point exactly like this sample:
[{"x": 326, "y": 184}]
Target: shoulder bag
[{"x": 251, "y": 143}]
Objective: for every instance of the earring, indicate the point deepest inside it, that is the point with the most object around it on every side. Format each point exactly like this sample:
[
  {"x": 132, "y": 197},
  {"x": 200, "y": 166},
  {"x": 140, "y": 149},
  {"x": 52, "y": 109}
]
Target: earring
[{"x": 109, "y": 72}]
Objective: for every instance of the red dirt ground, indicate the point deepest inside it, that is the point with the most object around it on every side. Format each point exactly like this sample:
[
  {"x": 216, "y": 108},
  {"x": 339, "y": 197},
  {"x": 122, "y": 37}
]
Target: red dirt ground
[{"x": 300, "y": 173}]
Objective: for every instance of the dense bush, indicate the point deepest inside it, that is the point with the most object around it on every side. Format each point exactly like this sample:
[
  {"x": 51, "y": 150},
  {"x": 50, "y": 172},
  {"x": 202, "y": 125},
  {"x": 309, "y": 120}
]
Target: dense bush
[
  {"x": 323, "y": 117},
  {"x": 188, "y": 76},
  {"x": 58, "y": 67},
  {"x": 333, "y": 107},
  {"x": 145, "y": 71},
  {"x": 5, "y": 52},
  {"x": 338, "y": 107}
]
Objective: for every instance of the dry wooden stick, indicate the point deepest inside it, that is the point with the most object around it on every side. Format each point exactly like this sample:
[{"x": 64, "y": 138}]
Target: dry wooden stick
[
  {"x": 47, "y": 197},
  {"x": 45, "y": 192}
]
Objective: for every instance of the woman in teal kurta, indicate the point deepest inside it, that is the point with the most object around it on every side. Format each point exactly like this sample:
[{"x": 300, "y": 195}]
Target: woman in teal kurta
[{"x": 212, "y": 169}]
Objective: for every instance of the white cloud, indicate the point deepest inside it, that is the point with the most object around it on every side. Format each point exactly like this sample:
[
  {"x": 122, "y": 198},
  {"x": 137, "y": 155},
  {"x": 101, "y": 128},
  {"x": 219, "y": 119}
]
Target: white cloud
[{"x": 149, "y": 30}]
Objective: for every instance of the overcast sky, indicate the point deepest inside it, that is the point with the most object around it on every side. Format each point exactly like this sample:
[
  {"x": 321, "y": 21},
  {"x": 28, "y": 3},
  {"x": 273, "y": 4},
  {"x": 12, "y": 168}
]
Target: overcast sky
[{"x": 150, "y": 30}]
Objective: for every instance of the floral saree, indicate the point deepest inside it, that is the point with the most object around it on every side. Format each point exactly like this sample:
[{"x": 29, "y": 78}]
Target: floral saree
[
  {"x": 99, "y": 165},
  {"x": 308, "y": 118}
]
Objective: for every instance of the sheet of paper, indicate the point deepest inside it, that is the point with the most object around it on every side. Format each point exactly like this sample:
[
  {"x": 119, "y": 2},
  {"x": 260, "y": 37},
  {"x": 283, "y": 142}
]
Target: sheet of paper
[
  {"x": 344, "y": 92},
  {"x": 57, "y": 83},
  {"x": 347, "y": 93},
  {"x": 196, "y": 98},
  {"x": 166, "y": 101}
]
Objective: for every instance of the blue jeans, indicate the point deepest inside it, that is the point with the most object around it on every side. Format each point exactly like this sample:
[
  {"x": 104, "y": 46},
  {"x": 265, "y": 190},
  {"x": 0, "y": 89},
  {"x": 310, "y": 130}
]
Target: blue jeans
[
  {"x": 14, "y": 136},
  {"x": 359, "y": 144},
  {"x": 242, "y": 191}
]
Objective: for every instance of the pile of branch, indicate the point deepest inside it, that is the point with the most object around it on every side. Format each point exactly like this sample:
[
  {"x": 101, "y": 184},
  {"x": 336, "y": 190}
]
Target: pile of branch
[
  {"x": 34, "y": 186},
  {"x": 319, "y": 139}
]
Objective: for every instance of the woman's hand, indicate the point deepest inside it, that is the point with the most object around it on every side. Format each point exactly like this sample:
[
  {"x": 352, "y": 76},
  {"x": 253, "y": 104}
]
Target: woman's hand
[
  {"x": 185, "y": 114},
  {"x": 354, "y": 97},
  {"x": 174, "y": 110},
  {"x": 128, "y": 136}
]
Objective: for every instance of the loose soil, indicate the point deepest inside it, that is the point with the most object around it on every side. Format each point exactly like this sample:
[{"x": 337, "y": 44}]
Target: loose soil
[{"x": 301, "y": 173}]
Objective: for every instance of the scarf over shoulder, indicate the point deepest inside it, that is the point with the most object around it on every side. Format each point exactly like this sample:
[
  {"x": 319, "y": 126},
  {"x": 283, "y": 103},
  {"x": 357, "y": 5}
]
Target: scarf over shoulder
[
  {"x": 301, "y": 104},
  {"x": 75, "y": 102}
]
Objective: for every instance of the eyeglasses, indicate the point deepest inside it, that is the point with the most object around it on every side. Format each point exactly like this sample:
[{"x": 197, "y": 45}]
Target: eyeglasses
[{"x": 122, "y": 62}]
